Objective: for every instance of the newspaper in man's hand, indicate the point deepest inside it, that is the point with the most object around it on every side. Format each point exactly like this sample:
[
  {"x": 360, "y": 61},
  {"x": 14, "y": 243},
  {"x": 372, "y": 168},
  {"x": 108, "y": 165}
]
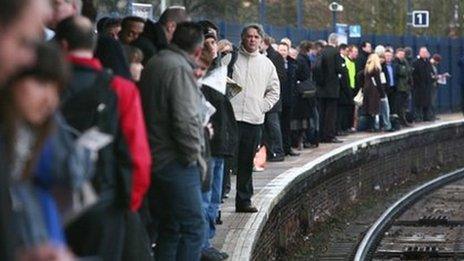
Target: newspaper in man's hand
[{"x": 232, "y": 88}]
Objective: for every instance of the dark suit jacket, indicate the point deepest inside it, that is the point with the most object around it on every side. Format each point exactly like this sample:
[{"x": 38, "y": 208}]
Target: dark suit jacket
[
  {"x": 289, "y": 92},
  {"x": 423, "y": 82},
  {"x": 387, "y": 75},
  {"x": 331, "y": 70}
]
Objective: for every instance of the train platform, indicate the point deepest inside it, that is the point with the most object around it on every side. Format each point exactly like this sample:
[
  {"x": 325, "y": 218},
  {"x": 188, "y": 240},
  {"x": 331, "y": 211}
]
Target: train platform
[{"x": 237, "y": 235}]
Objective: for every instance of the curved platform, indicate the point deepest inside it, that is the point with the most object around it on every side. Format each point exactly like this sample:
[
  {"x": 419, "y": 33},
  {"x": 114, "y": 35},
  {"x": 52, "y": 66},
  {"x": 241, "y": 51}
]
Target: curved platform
[{"x": 294, "y": 195}]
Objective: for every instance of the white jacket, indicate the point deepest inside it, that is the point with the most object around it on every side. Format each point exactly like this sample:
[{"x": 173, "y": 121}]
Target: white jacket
[{"x": 261, "y": 87}]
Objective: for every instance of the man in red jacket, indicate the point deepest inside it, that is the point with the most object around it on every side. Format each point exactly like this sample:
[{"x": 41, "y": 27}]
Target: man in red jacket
[
  {"x": 132, "y": 156},
  {"x": 131, "y": 118}
]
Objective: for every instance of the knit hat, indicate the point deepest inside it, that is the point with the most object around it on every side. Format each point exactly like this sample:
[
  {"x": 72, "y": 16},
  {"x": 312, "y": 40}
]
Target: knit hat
[{"x": 210, "y": 30}]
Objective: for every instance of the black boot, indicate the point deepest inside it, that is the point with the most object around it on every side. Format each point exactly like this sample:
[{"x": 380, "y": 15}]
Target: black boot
[{"x": 218, "y": 219}]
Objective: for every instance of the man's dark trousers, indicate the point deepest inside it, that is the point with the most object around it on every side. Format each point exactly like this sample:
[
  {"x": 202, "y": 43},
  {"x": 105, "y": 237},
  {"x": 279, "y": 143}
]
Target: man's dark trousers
[
  {"x": 179, "y": 211},
  {"x": 345, "y": 114},
  {"x": 286, "y": 119},
  {"x": 402, "y": 105},
  {"x": 328, "y": 118},
  {"x": 248, "y": 140},
  {"x": 392, "y": 94}
]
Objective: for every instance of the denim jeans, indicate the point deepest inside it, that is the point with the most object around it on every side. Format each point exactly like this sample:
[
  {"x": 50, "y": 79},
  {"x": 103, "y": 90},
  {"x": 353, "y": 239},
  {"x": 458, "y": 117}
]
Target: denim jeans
[
  {"x": 179, "y": 211},
  {"x": 364, "y": 123},
  {"x": 385, "y": 113},
  {"x": 312, "y": 134},
  {"x": 212, "y": 200},
  {"x": 273, "y": 134}
]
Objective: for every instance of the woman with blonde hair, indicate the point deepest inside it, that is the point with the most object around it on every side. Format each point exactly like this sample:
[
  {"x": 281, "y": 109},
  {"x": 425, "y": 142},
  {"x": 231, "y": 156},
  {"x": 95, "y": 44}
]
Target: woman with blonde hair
[{"x": 372, "y": 89}]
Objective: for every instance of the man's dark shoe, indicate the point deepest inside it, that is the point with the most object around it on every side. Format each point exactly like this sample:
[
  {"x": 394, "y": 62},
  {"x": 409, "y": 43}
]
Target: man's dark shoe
[
  {"x": 246, "y": 209},
  {"x": 405, "y": 123},
  {"x": 225, "y": 255},
  {"x": 218, "y": 219},
  {"x": 292, "y": 153},
  {"x": 212, "y": 254},
  {"x": 308, "y": 145},
  {"x": 276, "y": 159}
]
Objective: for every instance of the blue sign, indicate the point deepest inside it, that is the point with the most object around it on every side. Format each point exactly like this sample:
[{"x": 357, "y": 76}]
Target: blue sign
[
  {"x": 420, "y": 18},
  {"x": 342, "y": 32},
  {"x": 341, "y": 28},
  {"x": 355, "y": 31}
]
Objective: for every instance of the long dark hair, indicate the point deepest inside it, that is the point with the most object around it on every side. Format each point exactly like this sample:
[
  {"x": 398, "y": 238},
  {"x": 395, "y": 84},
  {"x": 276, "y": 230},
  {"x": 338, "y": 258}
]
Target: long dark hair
[{"x": 50, "y": 66}]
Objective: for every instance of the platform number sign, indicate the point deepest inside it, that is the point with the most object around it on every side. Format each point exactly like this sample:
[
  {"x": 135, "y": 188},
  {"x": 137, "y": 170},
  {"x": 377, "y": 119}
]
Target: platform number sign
[{"x": 420, "y": 19}]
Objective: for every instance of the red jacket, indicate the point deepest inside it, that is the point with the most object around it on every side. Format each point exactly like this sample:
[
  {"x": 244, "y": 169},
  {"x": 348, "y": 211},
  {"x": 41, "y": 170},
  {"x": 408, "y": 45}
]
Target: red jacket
[{"x": 133, "y": 129}]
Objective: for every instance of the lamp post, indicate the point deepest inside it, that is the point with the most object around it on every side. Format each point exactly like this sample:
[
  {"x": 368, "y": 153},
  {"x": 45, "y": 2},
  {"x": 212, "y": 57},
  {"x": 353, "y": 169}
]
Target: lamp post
[{"x": 335, "y": 8}]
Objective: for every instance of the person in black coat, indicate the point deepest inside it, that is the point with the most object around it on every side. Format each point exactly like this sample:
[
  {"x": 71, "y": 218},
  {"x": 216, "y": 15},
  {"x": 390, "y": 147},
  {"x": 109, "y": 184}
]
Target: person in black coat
[
  {"x": 345, "y": 101},
  {"x": 222, "y": 144},
  {"x": 328, "y": 90},
  {"x": 111, "y": 54},
  {"x": 305, "y": 115},
  {"x": 156, "y": 36},
  {"x": 287, "y": 96},
  {"x": 365, "y": 51},
  {"x": 349, "y": 87},
  {"x": 272, "y": 135},
  {"x": 423, "y": 84}
]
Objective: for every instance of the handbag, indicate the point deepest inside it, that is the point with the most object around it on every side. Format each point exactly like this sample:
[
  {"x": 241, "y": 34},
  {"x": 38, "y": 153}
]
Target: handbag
[
  {"x": 307, "y": 88},
  {"x": 359, "y": 98}
]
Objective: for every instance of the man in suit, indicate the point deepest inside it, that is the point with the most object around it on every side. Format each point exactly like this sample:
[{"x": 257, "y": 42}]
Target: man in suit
[
  {"x": 391, "y": 77},
  {"x": 328, "y": 91},
  {"x": 423, "y": 84},
  {"x": 364, "y": 52}
]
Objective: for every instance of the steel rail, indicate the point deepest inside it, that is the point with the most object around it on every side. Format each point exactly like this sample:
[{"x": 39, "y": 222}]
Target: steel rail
[{"x": 375, "y": 233}]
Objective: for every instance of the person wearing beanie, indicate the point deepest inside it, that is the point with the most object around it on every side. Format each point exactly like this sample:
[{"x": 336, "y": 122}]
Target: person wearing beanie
[{"x": 221, "y": 143}]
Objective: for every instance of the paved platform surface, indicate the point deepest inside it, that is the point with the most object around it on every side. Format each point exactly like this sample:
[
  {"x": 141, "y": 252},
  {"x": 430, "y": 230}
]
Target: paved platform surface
[{"x": 230, "y": 232}]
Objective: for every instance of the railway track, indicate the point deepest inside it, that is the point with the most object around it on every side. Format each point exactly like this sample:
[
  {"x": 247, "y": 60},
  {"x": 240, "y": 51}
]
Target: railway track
[{"x": 425, "y": 224}]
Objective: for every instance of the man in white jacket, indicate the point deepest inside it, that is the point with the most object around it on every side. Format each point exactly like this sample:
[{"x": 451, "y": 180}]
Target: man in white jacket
[{"x": 261, "y": 90}]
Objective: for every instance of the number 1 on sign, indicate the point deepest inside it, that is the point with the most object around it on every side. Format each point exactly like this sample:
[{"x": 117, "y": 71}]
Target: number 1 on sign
[{"x": 421, "y": 18}]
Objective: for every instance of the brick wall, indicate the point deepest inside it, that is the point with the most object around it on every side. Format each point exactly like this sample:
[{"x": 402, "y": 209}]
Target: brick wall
[{"x": 353, "y": 175}]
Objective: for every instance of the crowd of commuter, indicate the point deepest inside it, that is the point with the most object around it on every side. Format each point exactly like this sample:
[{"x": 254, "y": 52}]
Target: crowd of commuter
[{"x": 118, "y": 138}]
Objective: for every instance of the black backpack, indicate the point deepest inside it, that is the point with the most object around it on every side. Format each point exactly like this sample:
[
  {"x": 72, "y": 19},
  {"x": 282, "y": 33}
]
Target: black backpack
[
  {"x": 233, "y": 60},
  {"x": 89, "y": 102}
]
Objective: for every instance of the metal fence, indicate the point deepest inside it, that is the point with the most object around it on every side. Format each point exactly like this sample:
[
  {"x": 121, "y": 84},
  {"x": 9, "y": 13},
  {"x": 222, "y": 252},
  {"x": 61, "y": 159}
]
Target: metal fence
[{"x": 451, "y": 50}]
